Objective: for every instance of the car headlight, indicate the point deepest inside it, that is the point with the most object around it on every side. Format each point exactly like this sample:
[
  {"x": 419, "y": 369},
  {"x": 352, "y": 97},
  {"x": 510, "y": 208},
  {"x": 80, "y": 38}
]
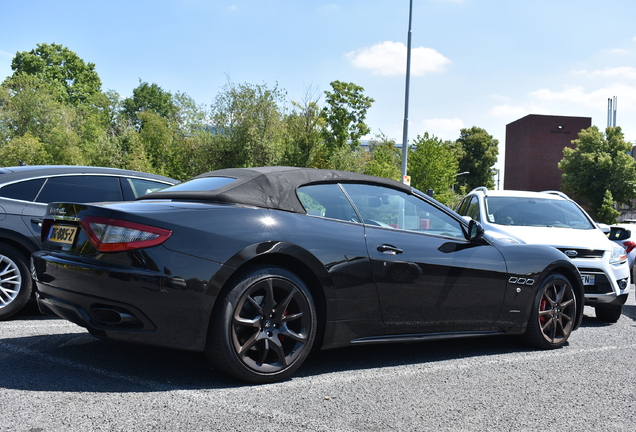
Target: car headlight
[{"x": 619, "y": 255}]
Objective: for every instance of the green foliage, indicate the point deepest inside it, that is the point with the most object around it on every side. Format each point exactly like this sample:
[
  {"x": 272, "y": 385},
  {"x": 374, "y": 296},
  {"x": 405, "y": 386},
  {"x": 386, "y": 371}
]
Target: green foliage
[
  {"x": 72, "y": 80},
  {"x": 52, "y": 111},
  {"x": 247, "y": 120},
  {"x": 344, "y": 117},
  {"x": 27, "y": 149},
  {"x": 599, "y": 164},
  {"x": 148, "y": 98},
  {"x": 607, "y": 214},
  {"x": 303, "y": 138},
  {"x": 478, "y": 155},
  {"x": 385, "y": 159},
  {"x": 433, "y": 165}
]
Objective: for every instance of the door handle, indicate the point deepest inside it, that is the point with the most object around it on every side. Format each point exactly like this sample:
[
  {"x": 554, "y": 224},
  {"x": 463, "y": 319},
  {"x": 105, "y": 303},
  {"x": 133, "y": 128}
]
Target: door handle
[
  {"x": 37, "y": 221},
  {"x": 389, "y": 250}
]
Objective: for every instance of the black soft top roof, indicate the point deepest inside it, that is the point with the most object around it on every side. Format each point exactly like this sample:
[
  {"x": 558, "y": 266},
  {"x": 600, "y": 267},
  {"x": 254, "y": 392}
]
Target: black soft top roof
[{"x": 269, "y": 187}]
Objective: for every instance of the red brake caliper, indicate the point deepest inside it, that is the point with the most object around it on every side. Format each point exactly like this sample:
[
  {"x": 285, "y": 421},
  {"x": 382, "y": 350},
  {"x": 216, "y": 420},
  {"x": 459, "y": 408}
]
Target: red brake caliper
[{"x": 542, "y": 307}]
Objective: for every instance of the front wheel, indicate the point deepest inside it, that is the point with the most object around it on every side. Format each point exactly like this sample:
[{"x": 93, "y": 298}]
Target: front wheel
[
  {"x": 553, "y": 313},
  {"x": 263, "y": 326},
  {"x": 15, "y": 281},
  {"x": 608, "y": 313}
]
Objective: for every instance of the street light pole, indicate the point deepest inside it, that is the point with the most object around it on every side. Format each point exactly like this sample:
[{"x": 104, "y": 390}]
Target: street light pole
[
  {"x": 457, "y": 175},
  {"x": 405, "y": 145}
]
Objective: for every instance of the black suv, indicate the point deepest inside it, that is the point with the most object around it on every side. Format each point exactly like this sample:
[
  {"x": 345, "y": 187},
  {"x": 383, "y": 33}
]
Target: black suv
[{"x": 25, "y": 192}]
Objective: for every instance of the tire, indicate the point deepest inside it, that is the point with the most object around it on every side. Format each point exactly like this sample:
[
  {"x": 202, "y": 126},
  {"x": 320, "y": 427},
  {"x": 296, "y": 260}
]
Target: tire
[
  {"x": 553, "y": 313},
  {"x": 263, "y": 326},
  {"x": 16, "y": 284},
  {"x": 608, "y": 313}
]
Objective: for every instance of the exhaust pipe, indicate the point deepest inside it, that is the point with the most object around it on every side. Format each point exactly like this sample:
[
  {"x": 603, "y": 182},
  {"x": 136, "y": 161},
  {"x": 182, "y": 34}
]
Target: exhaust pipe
[{"x": 113, "y": 316}]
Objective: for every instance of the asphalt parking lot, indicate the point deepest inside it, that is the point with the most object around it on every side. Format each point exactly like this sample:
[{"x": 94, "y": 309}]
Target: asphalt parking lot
[{"x": 54, "y": 376}]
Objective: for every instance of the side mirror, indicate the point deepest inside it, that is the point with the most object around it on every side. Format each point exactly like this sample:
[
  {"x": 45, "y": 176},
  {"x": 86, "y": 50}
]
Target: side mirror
[
  {"x": 475, "y": 230},
  {"x": 604, "y": 227}
]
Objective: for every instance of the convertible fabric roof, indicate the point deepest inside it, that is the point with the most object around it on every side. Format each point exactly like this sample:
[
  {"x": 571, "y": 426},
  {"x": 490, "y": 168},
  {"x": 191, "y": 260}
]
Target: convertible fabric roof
[{"x": 270, "y": 187}]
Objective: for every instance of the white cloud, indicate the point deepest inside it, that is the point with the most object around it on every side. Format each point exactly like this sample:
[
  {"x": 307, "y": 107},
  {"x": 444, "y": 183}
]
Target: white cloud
[
  {"x": 596, "y": 99},
  {"x": 443, "y": 128},
  {"x": 628, "y": 72},
  {"x": 389, "y": 58}
]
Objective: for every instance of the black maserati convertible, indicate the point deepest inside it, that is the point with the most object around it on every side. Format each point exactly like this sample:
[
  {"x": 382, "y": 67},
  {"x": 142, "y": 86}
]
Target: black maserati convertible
[{"x": 258, "y": 266}]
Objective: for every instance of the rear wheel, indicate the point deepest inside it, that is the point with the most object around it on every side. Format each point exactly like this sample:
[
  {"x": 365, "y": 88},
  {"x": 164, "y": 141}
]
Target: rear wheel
[
  {"x": 553, "y": 313},
  {"x": 608, "y": 313},
  {"x": 15, "y": 281},
  {"x": 263, "y": 327}
]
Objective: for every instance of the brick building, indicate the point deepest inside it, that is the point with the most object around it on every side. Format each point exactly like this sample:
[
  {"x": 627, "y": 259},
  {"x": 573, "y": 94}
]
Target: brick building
[{"x": 534, "y": 147}]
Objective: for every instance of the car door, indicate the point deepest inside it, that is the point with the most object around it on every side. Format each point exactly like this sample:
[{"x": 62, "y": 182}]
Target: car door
[{"x": 425, "y": 270}]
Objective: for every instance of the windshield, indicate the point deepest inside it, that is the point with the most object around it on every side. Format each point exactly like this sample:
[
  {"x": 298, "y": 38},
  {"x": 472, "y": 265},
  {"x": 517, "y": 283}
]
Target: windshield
[{"x": 518, "y": 211}]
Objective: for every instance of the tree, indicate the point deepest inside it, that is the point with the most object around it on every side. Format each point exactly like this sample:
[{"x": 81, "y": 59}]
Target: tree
[
  {"x": 478, "y": 155},
  {"x": 303, "y": 133},
  {"x": 148, "y": 97},
  {"x": 29, "y": 111},
  {"x": 248, "y": 123},
  {"x": 73, "y": 80},
  {"x": 385, "y": 159},
  {"x": 607, "y": 214},
  {"x": 433, "y": 165},
  {"x": 344, "y": 117},
  {"x": 599, "y": 163}
]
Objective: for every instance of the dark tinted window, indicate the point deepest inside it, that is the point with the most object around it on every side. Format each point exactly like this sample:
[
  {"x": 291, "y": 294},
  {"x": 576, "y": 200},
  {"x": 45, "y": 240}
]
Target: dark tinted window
[
  {"x": 473, "y": 209},
  {"x": 82, "y": 188},
  {"x": 327, "y": 200},
  {"x": 24, "y": 190}
]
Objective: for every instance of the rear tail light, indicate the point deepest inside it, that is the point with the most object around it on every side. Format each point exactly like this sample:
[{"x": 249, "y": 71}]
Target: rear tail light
[
  {"x": 113, "y": 235},
  {"x": 629, "y": 246}
]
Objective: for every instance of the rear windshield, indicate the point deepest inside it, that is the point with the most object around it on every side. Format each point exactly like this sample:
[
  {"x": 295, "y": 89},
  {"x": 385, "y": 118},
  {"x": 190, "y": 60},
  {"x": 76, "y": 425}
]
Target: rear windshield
[
  {"x": 537, "y": 212},
  {"x": 200, "y": 184}
]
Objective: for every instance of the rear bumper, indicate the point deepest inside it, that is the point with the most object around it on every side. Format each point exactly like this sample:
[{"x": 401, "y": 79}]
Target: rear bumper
[{"x": 124, "y": 303}]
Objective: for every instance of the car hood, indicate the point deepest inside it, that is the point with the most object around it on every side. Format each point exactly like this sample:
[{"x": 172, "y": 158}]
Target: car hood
[{"x": 553, "y": 236}]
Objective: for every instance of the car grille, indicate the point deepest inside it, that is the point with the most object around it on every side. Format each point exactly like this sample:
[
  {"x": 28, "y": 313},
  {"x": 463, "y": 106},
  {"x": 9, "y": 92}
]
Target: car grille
[
  {"x": 583, "y": 253},
  {"x": 601, "y": 285}
]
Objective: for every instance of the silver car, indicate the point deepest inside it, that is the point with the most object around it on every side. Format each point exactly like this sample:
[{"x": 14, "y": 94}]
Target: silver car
[
  {"x": 25, "y": 192},
  {"x": 553, "y": 219}
]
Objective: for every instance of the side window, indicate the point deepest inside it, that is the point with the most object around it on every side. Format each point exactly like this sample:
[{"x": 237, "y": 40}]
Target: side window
[
  {"x": 83, "y": 188},
  {"x": 461, "y": 208},
  {"x": 142, "y": 187},
  {"x": 473, "y": 209},
  {"x": 389, "y": 208},
  {"x": 327, "y": 200},
  {"x": 24, "y": 190}
]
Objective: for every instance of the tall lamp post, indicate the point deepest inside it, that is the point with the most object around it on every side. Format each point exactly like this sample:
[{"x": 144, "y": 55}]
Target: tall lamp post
[
  {"x": 405, "y": 144},
  {"x": 457, "y": 175}
]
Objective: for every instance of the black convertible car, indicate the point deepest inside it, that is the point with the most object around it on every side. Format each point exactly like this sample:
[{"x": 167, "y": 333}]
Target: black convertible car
[{"x": 258, "y": 266}]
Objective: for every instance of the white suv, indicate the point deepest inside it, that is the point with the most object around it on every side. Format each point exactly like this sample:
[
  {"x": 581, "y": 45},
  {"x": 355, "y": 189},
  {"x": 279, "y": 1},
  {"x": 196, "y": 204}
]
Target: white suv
[{"x": 553, "y": 219}]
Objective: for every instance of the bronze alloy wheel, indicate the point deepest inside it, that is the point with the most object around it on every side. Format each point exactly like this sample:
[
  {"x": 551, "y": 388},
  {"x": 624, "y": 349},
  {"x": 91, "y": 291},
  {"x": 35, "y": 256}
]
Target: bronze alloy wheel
[
  {"x": 554, "y": 313},
  {"x": 270, "y": 322}
]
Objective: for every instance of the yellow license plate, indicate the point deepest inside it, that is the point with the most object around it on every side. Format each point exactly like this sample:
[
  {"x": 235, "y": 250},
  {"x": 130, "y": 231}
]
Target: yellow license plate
[{"x": 62, "y": 234}]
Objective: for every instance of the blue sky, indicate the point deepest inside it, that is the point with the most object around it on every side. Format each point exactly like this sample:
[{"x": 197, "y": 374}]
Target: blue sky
[{"x": 479, "y": 63}]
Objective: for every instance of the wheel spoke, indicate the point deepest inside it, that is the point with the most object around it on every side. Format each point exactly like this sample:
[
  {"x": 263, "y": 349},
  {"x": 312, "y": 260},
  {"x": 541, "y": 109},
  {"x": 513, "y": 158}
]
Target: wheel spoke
[
  {"x": 285, "y": 331},
  {"x": 252, "y": 323},
  {"x": 248, "y": 344}
]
